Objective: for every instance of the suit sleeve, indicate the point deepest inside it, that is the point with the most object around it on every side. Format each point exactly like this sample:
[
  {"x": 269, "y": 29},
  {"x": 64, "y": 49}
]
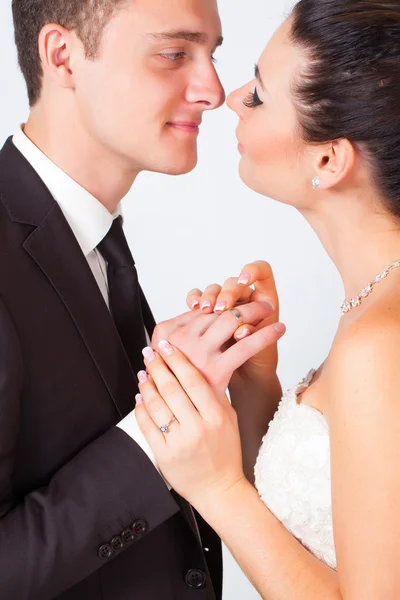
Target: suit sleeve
[{"x": 57, "y": 535}]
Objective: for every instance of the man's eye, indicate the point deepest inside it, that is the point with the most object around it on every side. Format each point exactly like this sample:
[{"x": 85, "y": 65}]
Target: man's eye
[{"x": 174, "y": 56}]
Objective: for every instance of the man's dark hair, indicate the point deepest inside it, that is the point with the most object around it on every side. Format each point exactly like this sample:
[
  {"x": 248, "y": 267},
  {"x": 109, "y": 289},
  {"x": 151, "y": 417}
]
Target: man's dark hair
[{"x": 87, "y": 18}]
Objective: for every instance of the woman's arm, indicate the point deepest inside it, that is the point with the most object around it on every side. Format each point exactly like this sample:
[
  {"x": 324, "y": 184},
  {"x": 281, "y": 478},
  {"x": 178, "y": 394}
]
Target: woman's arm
[
  {"x": 364, "y": 417},
  {"x": 255, "y": 406},
  {"x": 278, "y": 566},
  {"x": 201, "y": 457}
]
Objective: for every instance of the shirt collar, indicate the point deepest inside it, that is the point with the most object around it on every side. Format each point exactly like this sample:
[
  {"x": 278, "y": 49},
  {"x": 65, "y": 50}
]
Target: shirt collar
[{"x": 88, "y": 218}]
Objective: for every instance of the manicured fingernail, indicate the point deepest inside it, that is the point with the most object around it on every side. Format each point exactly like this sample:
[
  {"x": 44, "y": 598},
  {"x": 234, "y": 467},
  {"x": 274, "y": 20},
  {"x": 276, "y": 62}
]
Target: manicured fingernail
[
  {"x": 142, "y": 376},
  {"x": 242, "y": 333},
  {"x": 220, "y": 306},
  {"x": 139, "y": 399},
  {"x": 244, "y": 279},
  {"x": 279, "y": 327},
  {"x": 148, "y": 354},
  {"x": 195, "y": 304},
  {"x": 206, "y": 304},
  {"x": 166, "y": 348}
]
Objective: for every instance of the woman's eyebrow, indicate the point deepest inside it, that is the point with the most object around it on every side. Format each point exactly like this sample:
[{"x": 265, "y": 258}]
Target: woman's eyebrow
[{"x": 257, "y": 75}]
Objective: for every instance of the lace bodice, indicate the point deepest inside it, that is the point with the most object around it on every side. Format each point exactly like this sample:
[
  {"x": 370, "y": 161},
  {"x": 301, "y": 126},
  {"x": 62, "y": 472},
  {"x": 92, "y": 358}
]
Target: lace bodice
[{"x": 293, "y": 473}]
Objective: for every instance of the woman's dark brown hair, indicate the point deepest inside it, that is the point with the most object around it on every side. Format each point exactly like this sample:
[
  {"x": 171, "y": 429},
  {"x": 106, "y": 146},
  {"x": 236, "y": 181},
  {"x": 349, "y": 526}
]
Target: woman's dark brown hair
[{"x": 350, "y": 87}]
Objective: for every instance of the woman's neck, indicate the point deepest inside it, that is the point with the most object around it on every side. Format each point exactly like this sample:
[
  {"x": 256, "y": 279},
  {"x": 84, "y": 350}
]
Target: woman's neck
[{"x": 359, "y": 235}]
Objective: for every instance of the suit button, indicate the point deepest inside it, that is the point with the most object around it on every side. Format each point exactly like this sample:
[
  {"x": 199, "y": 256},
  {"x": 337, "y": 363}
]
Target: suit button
[
  {"x": 117, "y": 543},
  {"x": 127, "y": 536},
  {"x": 139, "y": 528},
  {"x": 105, "y": 551},
  {"x": 195, "y": 578}
]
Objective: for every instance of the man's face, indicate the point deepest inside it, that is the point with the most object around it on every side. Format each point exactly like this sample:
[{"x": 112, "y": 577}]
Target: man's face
[{"x": 143, "y": 98}]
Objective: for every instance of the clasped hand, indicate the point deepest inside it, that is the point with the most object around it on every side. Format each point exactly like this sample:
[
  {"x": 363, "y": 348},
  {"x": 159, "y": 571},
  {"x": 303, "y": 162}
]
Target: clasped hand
[{"x": 184, "y": 387}]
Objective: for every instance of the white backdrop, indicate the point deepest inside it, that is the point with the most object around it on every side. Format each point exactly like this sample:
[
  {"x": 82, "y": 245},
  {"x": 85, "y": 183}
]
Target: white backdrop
[{"x": 200, "y": 228}]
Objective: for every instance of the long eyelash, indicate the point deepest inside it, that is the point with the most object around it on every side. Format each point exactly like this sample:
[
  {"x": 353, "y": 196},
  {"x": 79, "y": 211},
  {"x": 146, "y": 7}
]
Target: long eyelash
[{"x": 252, "y": 100}]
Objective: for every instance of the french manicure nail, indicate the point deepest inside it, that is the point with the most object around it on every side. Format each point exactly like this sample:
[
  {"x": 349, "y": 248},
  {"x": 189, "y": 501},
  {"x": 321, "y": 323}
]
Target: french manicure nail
[
  {"x": 166, "y": 348},
  {"x": 142, "y": 376},
  {"x": 243, "y": 333},
  {"x": 244, "y": 279},
  {"x": 195, "y": 304},
  {"x": 206, "y": 304},
  {"x": 279, "y": 327},
  {"x": 139, "y": 399},
  {"x": 220, "y": 306},
  {"x": 148, "y": 354}
]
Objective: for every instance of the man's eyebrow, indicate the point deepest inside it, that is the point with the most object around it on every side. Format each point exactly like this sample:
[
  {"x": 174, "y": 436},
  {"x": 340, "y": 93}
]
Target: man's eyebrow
[
  {"x": 257, "y": 75},
  {"x": 189, "y": 36}
]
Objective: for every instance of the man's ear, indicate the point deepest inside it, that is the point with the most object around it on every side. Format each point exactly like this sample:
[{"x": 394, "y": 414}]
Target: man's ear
[
  {"x": 334, "y": 162},
  {"x": 55, "y": 45}
]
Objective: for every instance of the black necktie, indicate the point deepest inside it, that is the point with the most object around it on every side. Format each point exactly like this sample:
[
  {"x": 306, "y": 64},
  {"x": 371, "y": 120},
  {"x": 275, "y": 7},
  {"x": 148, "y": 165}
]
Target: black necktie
[{"x": 124, "y": 293}]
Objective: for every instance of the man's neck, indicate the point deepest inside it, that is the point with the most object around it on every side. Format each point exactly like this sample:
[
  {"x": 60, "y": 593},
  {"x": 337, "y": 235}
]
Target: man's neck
[{"x": 98, "y": 171}]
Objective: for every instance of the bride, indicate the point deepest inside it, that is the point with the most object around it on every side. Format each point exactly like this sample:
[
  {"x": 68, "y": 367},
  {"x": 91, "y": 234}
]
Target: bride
[{"x": 319, "y": 129}]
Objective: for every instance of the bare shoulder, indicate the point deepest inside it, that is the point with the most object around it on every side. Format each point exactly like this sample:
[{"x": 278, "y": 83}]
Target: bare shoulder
[
  {"x": 364, "y": 361},
  {"x": 363, "y": 412},
  {"x": 372, "y": 331}
]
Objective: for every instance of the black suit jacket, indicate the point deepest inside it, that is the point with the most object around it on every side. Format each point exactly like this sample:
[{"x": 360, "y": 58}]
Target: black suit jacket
[{"x": 83, "y": 513}]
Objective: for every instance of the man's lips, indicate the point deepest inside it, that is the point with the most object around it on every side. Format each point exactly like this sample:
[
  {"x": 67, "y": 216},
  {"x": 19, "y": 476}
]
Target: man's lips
[{"x": 188, "y": 126}]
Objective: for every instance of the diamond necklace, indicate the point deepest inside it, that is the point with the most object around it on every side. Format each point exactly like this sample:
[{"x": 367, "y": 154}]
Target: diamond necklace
[{"x": 356, "y": 301}]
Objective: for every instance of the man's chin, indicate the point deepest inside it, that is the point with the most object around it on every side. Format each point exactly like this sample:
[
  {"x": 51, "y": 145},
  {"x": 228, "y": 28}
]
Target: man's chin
[{"x": 178, "y": 167}]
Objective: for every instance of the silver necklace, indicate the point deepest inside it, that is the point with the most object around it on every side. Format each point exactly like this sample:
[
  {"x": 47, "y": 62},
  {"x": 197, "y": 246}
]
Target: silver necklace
[{"x": 356, "y": 301}]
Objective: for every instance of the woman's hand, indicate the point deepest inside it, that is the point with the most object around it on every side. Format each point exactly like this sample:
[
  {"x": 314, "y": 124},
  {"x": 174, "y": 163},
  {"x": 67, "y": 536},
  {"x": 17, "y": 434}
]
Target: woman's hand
[
  {"x": 206, "y": 340},
  {"x": 260, "y": 367},
  {"x": 200, "y": 453}
]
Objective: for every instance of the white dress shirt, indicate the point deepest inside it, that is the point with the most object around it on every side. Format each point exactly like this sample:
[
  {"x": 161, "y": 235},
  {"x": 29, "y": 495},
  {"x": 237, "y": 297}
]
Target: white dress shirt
[{"x": 90, "y": 222}]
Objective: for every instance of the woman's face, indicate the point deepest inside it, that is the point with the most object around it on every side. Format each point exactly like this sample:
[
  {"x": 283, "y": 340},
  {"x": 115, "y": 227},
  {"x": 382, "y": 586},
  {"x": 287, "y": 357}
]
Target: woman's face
[{"x": 274, "y": 160}]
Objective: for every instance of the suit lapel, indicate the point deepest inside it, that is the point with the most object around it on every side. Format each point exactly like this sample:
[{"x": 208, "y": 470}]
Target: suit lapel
[
  {"x": 56, "y": 251},
  {"x": 54, "y": 248}
]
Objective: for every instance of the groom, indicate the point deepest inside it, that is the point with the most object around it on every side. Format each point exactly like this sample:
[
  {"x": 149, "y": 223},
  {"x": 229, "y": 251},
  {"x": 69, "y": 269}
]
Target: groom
[{"x": 115, "y": 88}]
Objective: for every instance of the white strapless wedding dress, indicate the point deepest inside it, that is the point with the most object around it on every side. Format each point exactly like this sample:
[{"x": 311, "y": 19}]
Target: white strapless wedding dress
[{"x": 293, "y": 474}]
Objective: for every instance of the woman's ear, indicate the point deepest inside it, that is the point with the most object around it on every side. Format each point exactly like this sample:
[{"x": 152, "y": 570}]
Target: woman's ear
[{"x": 333, "y": 163}]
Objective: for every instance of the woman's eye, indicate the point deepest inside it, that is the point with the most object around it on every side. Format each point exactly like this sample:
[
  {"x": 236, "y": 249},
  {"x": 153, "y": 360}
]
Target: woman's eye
[
  {"x": 174, "y": 56},
  {"x": 252, "y": 100}
]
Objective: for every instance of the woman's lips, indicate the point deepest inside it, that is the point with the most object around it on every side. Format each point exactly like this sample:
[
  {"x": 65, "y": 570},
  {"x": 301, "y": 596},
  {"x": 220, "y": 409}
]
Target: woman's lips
[
  {"x": 240, "y": 148},
  {"x": 188, "y": 126}
]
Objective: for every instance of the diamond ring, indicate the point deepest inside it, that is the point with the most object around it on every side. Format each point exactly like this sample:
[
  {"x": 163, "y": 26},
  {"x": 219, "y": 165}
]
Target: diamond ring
[{"x": 165, "y": 428}]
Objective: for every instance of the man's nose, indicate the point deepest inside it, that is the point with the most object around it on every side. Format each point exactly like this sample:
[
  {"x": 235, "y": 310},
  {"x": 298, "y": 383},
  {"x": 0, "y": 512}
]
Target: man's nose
[{"x": 207, "y": 90}]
